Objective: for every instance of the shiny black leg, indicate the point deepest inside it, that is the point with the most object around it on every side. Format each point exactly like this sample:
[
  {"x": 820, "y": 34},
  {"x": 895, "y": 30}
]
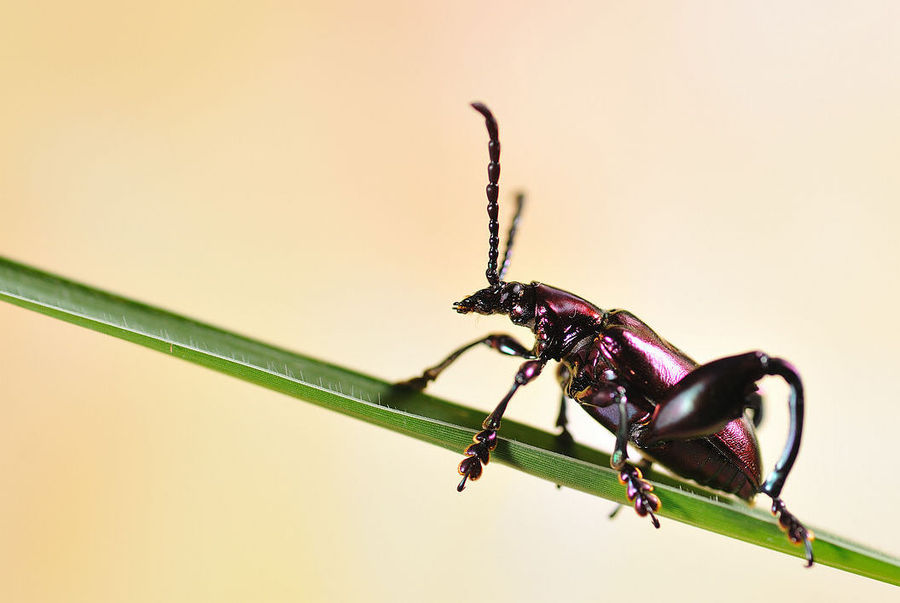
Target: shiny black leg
[
  {"x": 562, "y": 420},
  {"x": 479, "y": 453},
  {"x": 564, "y": 437},
  {"x": 642, "y": 465},
  {"x": 755, "y": 406},
  {"x": 638, "y": 490},
  {"x": 620, "y": 452},
  {"x": 497, "y": 341},
  {"x": 796, "y": 531},
  {"x": 718, "y": 392}
]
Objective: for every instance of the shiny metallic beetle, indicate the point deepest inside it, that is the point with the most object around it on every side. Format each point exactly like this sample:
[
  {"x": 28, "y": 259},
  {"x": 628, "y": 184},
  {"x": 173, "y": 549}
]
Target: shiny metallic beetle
[{"x": 687, "y": 417}]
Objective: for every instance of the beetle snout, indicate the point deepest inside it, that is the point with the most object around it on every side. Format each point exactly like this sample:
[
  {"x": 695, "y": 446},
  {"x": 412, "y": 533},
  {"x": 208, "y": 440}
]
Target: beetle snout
[
  {"x": 467, "y": 305},
  {"x": 462, "y": 307},
  {"x": 483, "y": 302}
]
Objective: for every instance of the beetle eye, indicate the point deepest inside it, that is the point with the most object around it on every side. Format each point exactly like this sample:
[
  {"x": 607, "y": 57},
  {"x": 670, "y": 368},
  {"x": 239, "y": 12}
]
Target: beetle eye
[{"x": 515, "y": 314}]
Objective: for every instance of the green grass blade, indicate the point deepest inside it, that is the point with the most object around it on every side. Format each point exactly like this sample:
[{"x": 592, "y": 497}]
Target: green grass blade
[{"x": 418, "y": 415}]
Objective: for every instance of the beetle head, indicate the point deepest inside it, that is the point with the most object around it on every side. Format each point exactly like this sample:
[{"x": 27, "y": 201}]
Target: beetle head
[{"x": 513, "y": 299}]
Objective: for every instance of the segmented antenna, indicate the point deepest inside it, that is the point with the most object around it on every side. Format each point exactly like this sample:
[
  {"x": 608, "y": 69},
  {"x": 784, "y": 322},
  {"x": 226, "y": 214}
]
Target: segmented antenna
[
  {"x": 513, "y": 227},
  {"x": 492, "y": 190}
]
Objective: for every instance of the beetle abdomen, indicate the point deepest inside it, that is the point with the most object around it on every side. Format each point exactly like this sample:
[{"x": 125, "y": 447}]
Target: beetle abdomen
[{"x": 727, "y": 460}]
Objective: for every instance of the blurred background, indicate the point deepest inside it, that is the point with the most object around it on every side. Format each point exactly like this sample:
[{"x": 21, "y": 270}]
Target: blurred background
[{"x": 310, "y": 174}]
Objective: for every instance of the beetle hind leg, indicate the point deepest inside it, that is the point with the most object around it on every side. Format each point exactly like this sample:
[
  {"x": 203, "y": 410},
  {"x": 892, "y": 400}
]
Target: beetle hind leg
[{"x": 715, "y": 393}]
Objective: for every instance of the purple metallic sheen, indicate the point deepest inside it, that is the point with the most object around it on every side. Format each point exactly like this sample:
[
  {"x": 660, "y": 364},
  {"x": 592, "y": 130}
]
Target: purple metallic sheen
[
  {"x": 649, "y": 367},
  {"x": 530, "y": 370},
  {"x": 631, "y": 491},
  {"x": 479, "y": 450},
  {"x": 707, "y": 398},
  {"x": 471, "y": 467},
  {"x": 636, "y": 352},
  {"x": 566, "y": 305},
  {"x": 561, "y": 320},
  {"x": 488, "y": 437},
  {"x": 641, "y": 507}
]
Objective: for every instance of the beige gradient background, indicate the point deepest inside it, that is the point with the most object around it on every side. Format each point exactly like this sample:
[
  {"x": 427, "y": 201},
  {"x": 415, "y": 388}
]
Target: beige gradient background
[{"x": 310, "y": 174}]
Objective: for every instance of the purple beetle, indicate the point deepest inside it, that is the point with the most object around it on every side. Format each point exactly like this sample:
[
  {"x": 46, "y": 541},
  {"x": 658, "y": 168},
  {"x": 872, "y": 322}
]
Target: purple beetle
[{"x": 688, "y": 417}]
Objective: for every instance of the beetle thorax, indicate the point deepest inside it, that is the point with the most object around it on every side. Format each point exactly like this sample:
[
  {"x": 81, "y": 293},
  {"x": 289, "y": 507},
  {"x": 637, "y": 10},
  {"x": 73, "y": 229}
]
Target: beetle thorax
[{"x": 562, "y": 319}]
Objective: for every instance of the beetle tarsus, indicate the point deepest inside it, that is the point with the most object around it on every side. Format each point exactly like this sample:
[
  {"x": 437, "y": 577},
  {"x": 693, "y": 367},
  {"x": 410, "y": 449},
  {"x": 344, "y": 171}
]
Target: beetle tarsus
[
  {"x": 477, "y": 455},
  {"x": 796, "y": 531},
  {"x": 462, "y": 483},
  {"x": 639, "y": 491}
]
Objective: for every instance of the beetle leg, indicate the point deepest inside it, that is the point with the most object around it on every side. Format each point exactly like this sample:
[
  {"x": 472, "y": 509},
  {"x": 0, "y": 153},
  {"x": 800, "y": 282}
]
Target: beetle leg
[
  {"x": 713, "y": 394},
  {"x": 562, "y": 420},
  {"x": 620, "y": 452},
  {"x": 642, "y": 465},
  {"x": 754, "y": 405},
  {"x": 504, "y": 344},
  {"x": 479, "y": 453},
  {"x": 638, "y": 490},
  {"x": 564, "y": 437}
]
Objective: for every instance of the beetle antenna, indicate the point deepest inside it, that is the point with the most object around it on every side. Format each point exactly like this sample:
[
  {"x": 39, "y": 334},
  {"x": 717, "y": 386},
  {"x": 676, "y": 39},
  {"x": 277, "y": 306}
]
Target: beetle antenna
[
  {"x": 492, "y": 190},
  {"x": 514, "y": 225}
]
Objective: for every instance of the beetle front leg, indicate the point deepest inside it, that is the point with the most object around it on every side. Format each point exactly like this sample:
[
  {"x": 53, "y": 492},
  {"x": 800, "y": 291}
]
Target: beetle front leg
[
  {"x": 501, "y": 342},
  {"x": 479, "y": 453}
]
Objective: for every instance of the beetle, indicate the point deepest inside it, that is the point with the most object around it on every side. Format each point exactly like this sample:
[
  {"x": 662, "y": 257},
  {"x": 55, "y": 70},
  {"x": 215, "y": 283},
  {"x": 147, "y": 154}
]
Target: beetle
[{"x": 688, "y": 417}]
